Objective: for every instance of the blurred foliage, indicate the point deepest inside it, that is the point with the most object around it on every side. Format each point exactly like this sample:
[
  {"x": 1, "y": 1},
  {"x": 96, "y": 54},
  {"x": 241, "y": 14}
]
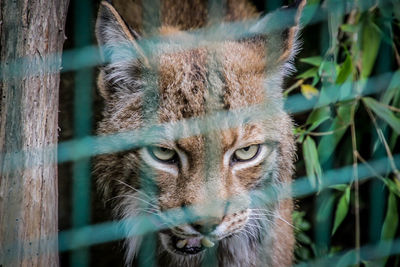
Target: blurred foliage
[{"x": 355, "y": 82}]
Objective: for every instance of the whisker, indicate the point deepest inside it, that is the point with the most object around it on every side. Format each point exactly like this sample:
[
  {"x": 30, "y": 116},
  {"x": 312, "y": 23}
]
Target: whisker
[
  {"x": 288, "y": 223},
  {"x": 140, "y": 199},
  {"x": 262, "y": 211},
  {"x": 153, "y": 207},
  {"x": 248, "y": 232},
  {"x": 134, "y": 189},
  {"x": 147, "y": 211},
  {"x": 256, "y": 226},
  {"x": 274, "y": 215}
]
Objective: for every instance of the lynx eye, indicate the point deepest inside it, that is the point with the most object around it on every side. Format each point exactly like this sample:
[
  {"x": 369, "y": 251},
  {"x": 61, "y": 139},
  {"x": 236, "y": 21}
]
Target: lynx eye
[
  {"x": 163, "y": 154},
  {"x": 246, "y": 153}
]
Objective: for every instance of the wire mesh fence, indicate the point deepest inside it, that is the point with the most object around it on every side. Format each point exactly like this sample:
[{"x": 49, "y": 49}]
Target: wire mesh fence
[{"x": 347, "y": 103}]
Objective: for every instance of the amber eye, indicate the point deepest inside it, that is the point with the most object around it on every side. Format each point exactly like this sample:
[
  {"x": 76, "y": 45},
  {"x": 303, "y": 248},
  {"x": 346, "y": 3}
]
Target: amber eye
[
  {"x": 246, "y": 153},
  {"x": 163, "y": 154}
]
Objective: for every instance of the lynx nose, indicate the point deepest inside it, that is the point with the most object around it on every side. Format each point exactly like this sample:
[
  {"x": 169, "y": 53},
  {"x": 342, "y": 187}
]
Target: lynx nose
[{"x": 206, "y": 226}]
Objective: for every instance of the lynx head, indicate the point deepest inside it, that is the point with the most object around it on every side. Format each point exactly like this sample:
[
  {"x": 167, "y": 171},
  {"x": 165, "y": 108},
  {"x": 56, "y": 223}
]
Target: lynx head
[{"x": 224, "y": 136}]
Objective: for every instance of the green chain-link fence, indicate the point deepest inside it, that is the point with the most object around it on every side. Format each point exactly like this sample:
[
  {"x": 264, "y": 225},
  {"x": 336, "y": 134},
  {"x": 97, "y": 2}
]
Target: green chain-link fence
[{"x": 346, "y": 102}]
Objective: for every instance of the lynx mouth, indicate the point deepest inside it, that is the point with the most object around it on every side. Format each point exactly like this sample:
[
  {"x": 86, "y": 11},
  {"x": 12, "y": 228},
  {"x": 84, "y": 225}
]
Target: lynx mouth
[{"x": 186, "y": 246}]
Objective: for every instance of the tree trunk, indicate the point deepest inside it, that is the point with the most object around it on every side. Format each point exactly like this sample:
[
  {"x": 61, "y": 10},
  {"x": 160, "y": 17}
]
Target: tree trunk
[{"x": 31, "y": 41}]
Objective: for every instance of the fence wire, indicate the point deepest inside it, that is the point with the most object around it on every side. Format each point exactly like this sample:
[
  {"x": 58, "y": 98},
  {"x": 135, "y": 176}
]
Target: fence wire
[{"x": 84, "y": 146}]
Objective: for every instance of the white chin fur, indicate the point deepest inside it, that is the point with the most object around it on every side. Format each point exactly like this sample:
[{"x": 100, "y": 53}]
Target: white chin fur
[{"x": 132, "y": 245}]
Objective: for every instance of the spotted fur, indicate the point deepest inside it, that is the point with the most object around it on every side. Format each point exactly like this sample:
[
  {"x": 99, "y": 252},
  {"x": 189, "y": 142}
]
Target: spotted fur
[{"x": 173, "y": 85}]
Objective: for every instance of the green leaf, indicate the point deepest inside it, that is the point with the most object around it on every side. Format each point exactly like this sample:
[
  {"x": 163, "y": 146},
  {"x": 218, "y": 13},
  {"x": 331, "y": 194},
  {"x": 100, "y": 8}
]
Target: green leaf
[
  {"x": 308, "y": 74},
  {"x": 318, "y": 116},
  {"x": 383, "y": 112},
  {"x": 345, "y": 70},
  {"x": 349, "y": 28},
  {"x": 392, "y": 186},
  {"x": 303, "y": 238},
  {"x": 391, "y": 220},
  {"x": 302, "y": 253},
  {"x": 315, "y": 80},
  {"x": 299, "y": 222},
  {"x": 304, "y": 225},
  {"x": 393, "y": 140},
  {"x": 340, "y": 123},
  {"x": 328, "y": 69},
  {"x": 393, "y": 89},
  {"x": 313, "y": 168},
  {"x": 390, "y": 225},
  {"x": 298, "y": 131},
  {"x": 341, "y": 209},
  {"x": 371, "y": 39},
  {"x": 339, "y": 187},
  {"x": 314, "y": 61},
  {"x": 297, "y": 217}
]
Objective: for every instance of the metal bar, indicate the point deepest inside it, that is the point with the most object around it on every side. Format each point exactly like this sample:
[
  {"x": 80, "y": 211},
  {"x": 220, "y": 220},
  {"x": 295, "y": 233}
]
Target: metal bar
[{"x": 81, "y": 191}]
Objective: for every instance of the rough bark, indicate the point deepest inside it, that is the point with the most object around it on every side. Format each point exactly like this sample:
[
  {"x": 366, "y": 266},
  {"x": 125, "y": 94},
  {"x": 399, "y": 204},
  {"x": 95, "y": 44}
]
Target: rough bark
[{"x": 31, "y": 40}]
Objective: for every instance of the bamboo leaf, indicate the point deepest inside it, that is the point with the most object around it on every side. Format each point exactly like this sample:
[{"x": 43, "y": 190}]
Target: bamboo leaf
[
  {"x": 302, "y": 238},
  {"x": 349, "y": 28},
  {"x": 308, "y": 74},
  {"x": 328, "y": 68},
  {"x": 391, "y": 220},
  {"x": 339, "y": 187},
  {"x": 393, "y": 140},
  {"x": 345, "y": 70},
  {"x": 393, "y": 89},
  {"x": 383, "y": 112},
  {"x": 392, "y": 186},
  {"x": 390, "y": 225},
  {"x": 313, "y": 168},
  {"x": 371, "y": 39},
  {"x": 318, "y": 116},
  {"x": 340, "y": 123},
  {"x": 341, "y": 209},
  {"x": 314, "y": 61}
]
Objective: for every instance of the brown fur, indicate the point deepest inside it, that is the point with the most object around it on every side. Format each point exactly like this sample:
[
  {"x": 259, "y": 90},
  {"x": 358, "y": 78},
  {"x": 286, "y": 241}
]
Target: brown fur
[
  {"x": 184, "y": 15},
  {"x": 169, "y": 86}
]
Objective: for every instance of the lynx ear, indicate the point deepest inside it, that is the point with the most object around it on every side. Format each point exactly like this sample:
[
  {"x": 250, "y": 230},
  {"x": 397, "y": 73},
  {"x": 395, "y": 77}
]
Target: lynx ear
[
  {"x": 281, "y": 29},
  {"x": 117, "y": 41},
  {"x": 120, "y": 50}
]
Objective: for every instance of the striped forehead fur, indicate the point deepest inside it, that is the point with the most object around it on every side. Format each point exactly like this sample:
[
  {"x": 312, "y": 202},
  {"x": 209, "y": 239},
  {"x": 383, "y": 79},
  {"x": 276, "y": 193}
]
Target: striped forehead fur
[{"x": 192, "y": 76}]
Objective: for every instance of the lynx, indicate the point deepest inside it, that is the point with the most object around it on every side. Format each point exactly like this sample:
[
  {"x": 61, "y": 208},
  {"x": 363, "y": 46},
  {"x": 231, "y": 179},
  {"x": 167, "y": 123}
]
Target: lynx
[{"x": 226, "y": 145}]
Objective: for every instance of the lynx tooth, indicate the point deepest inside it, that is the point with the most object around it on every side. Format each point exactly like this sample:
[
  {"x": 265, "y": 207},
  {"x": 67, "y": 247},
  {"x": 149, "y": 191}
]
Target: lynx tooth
[
  {"x": 207, "y": 242},
  {"x": 181, "y": 243}
]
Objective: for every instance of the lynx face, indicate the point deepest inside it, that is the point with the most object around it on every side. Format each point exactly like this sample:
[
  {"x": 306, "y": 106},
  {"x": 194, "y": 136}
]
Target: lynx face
[{"x": 219, "y": 174}]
